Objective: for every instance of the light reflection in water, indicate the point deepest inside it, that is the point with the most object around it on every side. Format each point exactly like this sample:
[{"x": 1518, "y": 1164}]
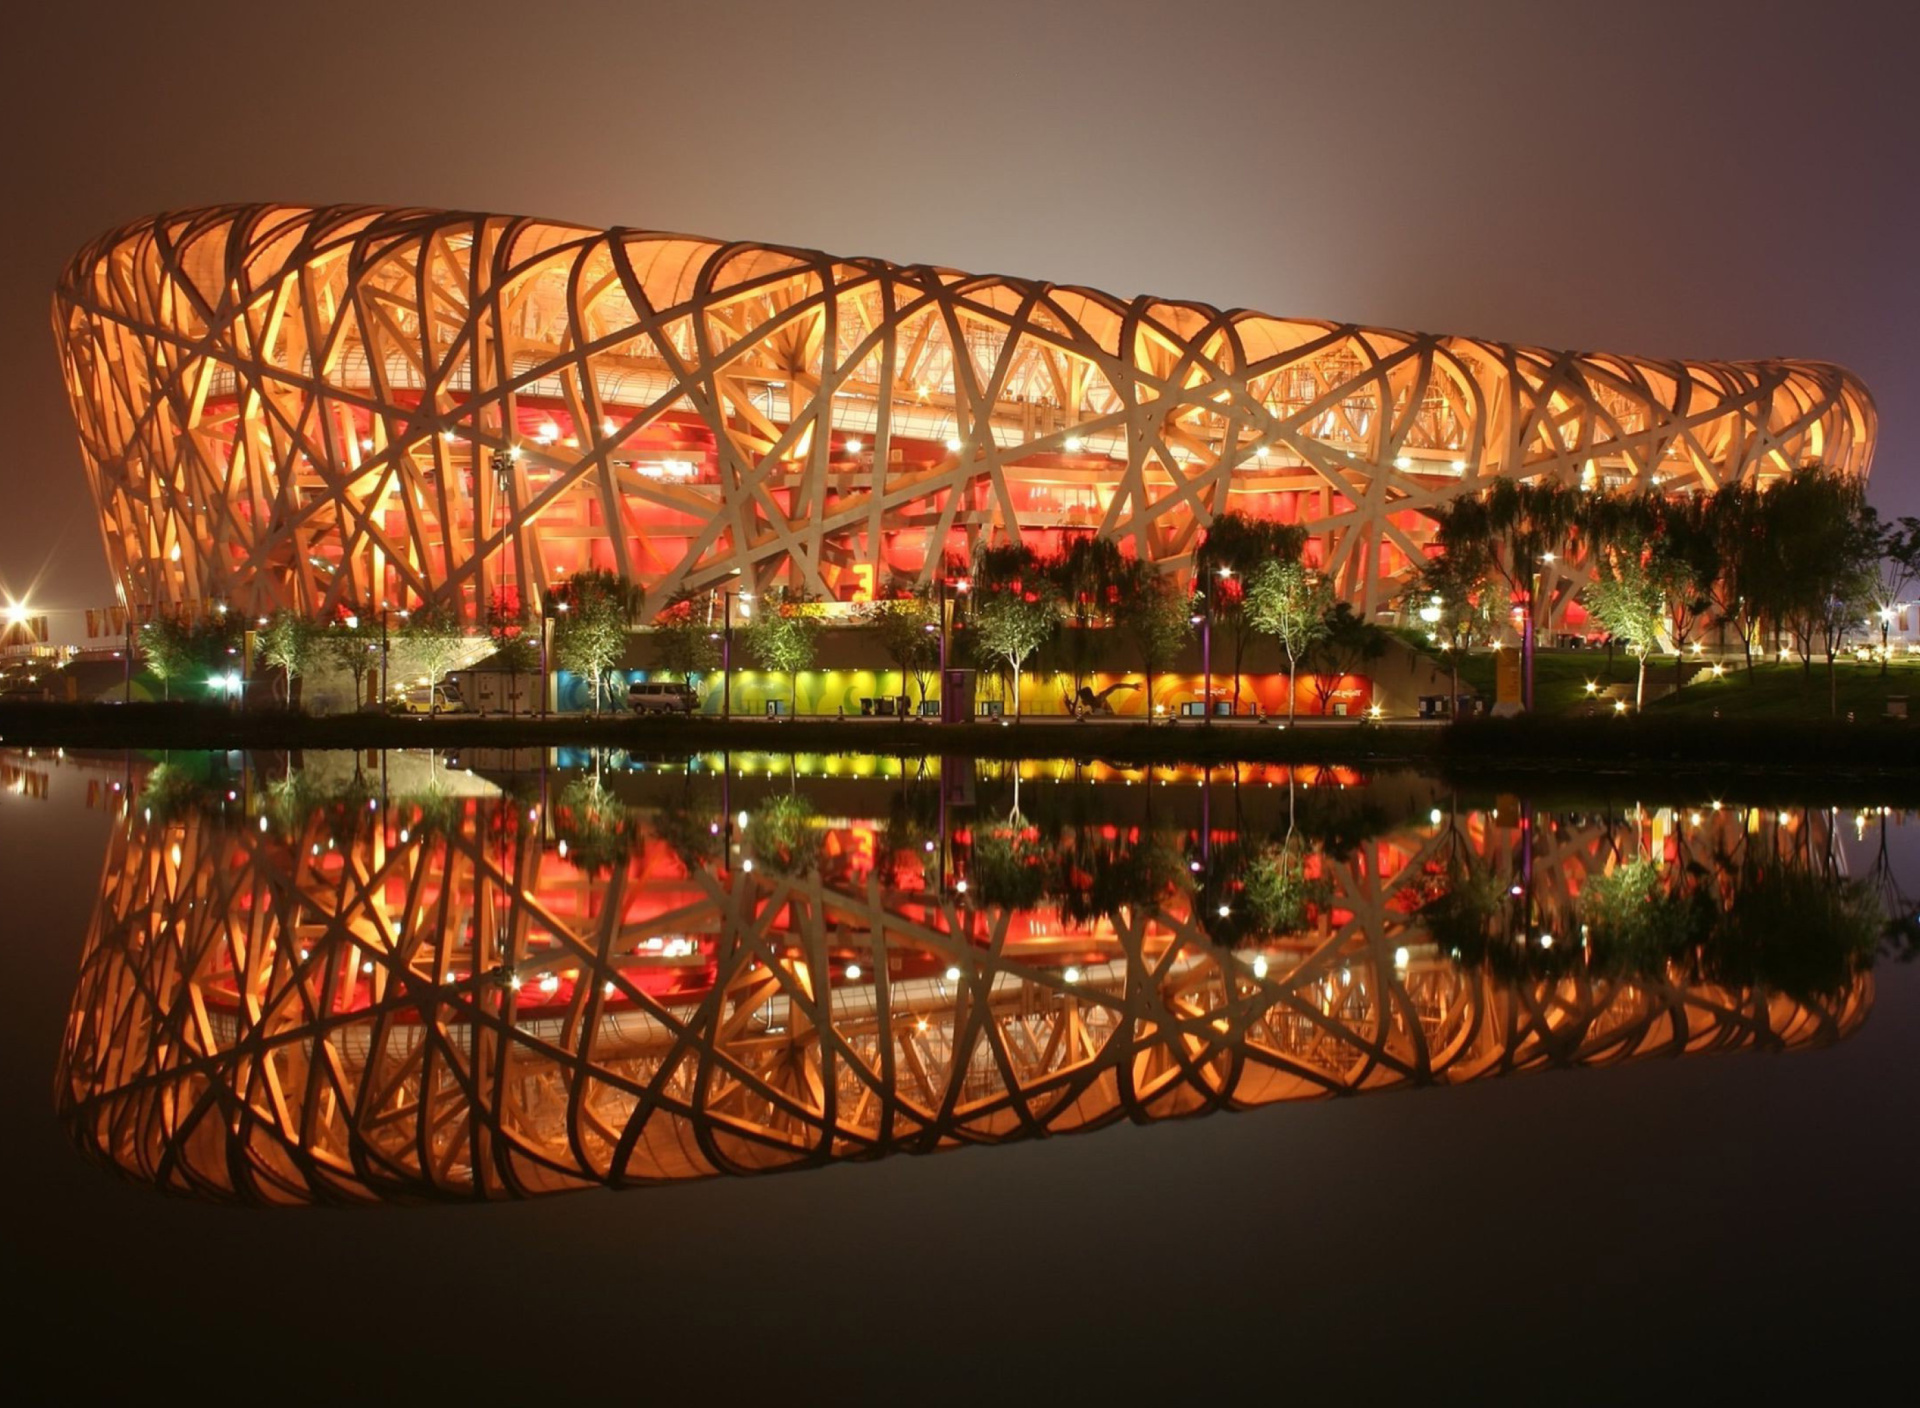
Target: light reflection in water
[{"x": 358, "y": 982}]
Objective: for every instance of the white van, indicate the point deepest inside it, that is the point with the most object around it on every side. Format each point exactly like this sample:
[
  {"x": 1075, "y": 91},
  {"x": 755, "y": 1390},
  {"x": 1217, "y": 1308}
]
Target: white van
[
  {"x": 443, "y": 698},
  {"x": 659, "y": 697}
]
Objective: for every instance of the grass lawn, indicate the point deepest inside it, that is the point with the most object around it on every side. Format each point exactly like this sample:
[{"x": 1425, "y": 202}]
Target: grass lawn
[
  {"x": 1785, "y": 691},
  {"x": 1560, "y": 676},
  {"x": 1773, "y": 691}
]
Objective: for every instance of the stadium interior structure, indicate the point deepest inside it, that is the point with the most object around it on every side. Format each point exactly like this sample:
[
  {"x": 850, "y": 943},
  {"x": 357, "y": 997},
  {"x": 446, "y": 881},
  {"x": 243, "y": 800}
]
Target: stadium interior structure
[{"x": 347, "y": 408}]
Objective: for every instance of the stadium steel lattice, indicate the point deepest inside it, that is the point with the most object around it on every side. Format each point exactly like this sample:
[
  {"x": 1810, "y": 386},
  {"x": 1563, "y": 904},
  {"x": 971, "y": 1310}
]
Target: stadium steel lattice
[
  {"x": 362, "y": 1005},
  {"x": 344, "y": 407}
]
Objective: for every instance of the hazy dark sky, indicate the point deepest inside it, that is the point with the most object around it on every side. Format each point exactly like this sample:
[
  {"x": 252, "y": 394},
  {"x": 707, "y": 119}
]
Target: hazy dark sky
[{"x": 1699, "y": 179}]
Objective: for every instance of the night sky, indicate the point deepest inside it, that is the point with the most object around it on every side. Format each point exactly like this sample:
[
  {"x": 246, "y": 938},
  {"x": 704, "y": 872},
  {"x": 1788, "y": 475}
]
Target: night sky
[{"x": 1699, "y": 180}]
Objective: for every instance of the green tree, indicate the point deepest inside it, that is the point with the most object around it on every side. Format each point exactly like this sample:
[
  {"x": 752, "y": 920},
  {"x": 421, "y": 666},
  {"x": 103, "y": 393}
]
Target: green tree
[
  {"x": 1510, "y": 534},
  {"x": 435, "y": 640},
  {"x": 909, "y": 631},
  {"x": 168, "y": 651},
  {"x": 784, "y": 636},
  {"x": 1626, "y": 600},
  {"x": 1896, "y": 568},
  {"x": 1159, "y": 617},
  {"x": 1094, "y": 579},
  {"x": 594, "y": 620},
  {"x": 1818, "y": 550},
  {"x": 1235, "y": 546},
  {"x": 1684, "y": 559},
  {"x": 686, "y": 641},
  {"x": 1734, "y": 514},
  {"x": 516, "y": 649},
  {"x": 1347, "y": 643},
  {"x": 289, "y": 643},
  {"x": 1290, "y": 602},
  {"x": 1014, "y": 608},
  {"x": 353, "y": 645},
  {"x": 596, "y": 830}
]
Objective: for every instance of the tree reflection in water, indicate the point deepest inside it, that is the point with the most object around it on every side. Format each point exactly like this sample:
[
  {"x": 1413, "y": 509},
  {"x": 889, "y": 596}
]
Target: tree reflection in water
[{"x": 700, "y": 968}]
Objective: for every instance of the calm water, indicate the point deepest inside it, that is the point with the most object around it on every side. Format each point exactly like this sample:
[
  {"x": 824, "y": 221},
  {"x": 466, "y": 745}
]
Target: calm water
[{"x": 320, "y": 1072}]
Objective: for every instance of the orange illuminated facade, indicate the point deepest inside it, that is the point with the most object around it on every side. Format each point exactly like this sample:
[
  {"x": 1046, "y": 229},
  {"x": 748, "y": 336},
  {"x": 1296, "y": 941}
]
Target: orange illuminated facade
[{"x": 331, "y": 409}]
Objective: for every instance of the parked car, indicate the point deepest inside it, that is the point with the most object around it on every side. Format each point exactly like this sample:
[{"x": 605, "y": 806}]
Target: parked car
[
  {"x": 441, "y": 699},
  {"x": 659, "y": 697}
]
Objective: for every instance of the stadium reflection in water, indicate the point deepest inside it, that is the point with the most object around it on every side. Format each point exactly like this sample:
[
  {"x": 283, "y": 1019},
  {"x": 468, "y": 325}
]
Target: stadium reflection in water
[{"x": 326, "y": 986}]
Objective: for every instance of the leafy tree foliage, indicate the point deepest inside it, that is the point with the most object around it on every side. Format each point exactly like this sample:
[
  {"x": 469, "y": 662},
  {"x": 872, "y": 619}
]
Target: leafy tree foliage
[
  {"x": 909, "y": 629},
  {"x": 516, "y": 649},
  {"x": 1627, "y": 601},
  {"x": 684, "y": 640},
  {"x": 1897, "y": 547},
  {"x": 1159, "y": 617},
  {"x": 168, "y": 651},
  {"x": 1015, "y": 608},
  {"x": 1506, "y": 533},
  {"x": 1093, "y": 579},
  {"x": 1235, "y": 546},
  {"x": 1347, "y": 642},
  {"x": 353, "y": 645},
  {"x": 594, "y": 614},
  {"x": 1816, "y": 557},
  {"x": 178, "y": 652},
  {"x": 1289, "y": 602},
  {"x": 784, "y": 635},
  {"x": 435, "y": 639},
  {"x": 289, "y": 643}
]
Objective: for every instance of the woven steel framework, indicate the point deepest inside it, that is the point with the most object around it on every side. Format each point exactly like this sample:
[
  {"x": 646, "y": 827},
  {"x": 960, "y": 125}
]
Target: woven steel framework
[
  {"x": 345, "y": 407},
  {"x": 361, "y": 1008}
]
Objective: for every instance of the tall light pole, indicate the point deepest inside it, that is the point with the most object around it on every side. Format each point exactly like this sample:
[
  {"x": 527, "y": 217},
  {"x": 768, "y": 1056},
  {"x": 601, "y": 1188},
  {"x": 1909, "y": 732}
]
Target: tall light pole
[
  {"x": 961, "y": 586},
  {"x": 1206, "y": 648},
  {"x": 726, "y": 646}
]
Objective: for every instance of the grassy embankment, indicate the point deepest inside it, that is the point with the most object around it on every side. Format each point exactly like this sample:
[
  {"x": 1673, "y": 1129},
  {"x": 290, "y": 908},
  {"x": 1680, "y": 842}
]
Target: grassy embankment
[{"x": 1772, "y": 691}]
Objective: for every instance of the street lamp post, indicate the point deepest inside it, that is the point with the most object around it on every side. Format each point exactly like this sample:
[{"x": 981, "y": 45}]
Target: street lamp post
[
  {"x": 546, "y": 633},
  {"x": 726, "y": 647},
  {"x": 960, "y": 586},
  {"x": 1206, "y": 649},
  {"x": 551, "y": 611}
]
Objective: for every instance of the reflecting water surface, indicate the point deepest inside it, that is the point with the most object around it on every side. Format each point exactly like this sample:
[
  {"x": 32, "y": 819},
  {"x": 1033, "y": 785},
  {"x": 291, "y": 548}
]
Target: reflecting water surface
[
  {"x": 297, "y": 1049},
  {"x": 365, "y": 978}
]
